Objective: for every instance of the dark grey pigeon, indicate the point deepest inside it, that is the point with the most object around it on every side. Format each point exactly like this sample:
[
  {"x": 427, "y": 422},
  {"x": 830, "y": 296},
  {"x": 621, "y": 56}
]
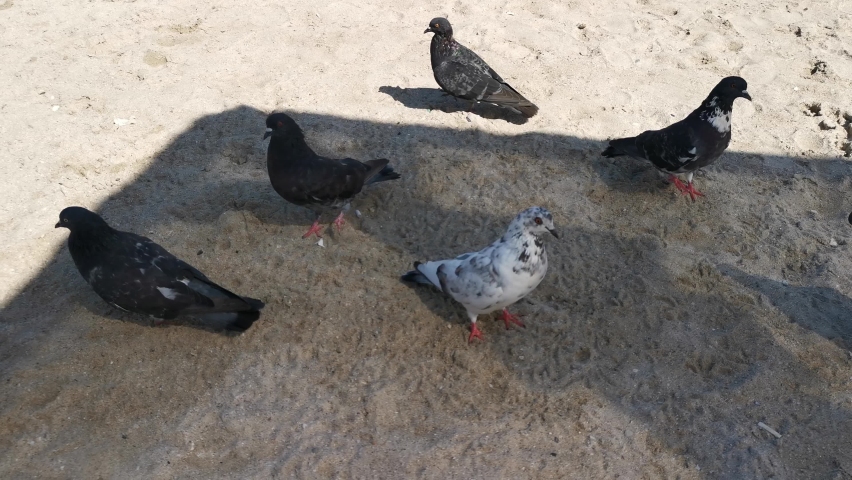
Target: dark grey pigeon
[
  {"x": 463, "y": 74},
  {"x": 304, "y": 178},
  {"x": 690, "y": 144},
  {"x": 134, "y": 274}
]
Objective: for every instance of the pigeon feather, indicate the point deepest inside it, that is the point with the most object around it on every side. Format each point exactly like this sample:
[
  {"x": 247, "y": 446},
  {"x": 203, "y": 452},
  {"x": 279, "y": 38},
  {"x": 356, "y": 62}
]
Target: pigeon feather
[
  {"x": 134, "y": 274},
  {"x": 462, "y": 73}
]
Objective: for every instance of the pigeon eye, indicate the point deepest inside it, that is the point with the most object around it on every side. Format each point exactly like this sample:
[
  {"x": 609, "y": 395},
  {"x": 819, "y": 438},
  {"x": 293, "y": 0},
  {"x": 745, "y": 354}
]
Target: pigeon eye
[
  {"x": 65, "y": 220},
  {"x": 537, "y": 221}
]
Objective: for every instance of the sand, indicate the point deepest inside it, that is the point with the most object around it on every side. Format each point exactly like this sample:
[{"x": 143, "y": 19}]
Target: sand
[{"x": 663, "y": 333}]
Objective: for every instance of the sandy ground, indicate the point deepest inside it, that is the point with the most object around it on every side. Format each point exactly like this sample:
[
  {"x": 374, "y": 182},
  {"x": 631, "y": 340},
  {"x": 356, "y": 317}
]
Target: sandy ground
[{"x": 663, "y": 333}]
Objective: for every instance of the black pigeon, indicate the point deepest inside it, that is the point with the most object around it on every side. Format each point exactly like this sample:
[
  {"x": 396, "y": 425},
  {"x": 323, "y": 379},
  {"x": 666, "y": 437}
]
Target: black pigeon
[
  {"x": 304, "y": 178},
  {"x": 134, "y": 274},
  {"x": 690, "y": 144},
  {"x": 463, "y": 74}
]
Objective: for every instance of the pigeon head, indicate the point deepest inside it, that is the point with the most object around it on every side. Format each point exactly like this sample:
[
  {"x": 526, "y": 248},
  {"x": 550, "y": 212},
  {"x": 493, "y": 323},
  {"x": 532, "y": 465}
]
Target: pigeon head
[
  {"x": 281, "y": 125},
  {"x": 440, "y": 26},
  {"x": 535, "y": 220},
  {"x": 731, "y": 88},
  {"x": 77, "y": 218}
]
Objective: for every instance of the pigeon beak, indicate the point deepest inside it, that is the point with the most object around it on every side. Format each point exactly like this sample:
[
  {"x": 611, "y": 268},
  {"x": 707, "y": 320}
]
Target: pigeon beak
[
  {"x": 746, "y": 95},
  {"x": 553, "y": 232},
  {"x": 427, "y": 30},
  {"x": 58, "y": 224},
  {"x": 267, "y": 134}
]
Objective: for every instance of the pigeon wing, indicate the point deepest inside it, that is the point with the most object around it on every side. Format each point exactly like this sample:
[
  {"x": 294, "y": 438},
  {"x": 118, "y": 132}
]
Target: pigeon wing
[
  {"x": 472, "y": 280},
  {"x": 146, "y": 278},
  {"x": 326, "y": 181},
  {"x": 465, "y": 80},
  {"x": 672, "y": 149},
  {"x": 469, "y": 57},
  {"x": 143, "y": 277},
  {"x": 467, "y": 76}
]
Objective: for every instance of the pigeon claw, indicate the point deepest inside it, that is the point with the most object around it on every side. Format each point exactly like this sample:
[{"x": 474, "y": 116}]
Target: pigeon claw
[
  {"x": 474, "y": 333},
  {"x": 339, "y": 222},
  {"x": 509, "y": 319},
  {"x": 315, "y": 229},
  {"x": 685, "y": 188},
  {"x": 693, "y": 193}
]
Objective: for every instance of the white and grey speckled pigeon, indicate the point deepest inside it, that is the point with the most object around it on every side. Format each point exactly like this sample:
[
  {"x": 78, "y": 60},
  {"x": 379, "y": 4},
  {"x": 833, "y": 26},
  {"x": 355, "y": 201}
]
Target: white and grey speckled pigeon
[
  {"x": 496, "y": 276},
  {"x": 690, "y": 144},
  {"x": 134, "y": 274},
  {"x": 463, "y": 74}
]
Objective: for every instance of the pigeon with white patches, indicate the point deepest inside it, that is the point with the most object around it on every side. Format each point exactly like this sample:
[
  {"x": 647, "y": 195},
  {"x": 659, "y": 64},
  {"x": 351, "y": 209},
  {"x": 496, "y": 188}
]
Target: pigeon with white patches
[
  {"x": 496, "y": 276},
  {"x": 690, "y": 144},
  {"x": 132, "y": 273},
  {"x": 463, "y": 74},
  {"x": 304, "y": 178}
]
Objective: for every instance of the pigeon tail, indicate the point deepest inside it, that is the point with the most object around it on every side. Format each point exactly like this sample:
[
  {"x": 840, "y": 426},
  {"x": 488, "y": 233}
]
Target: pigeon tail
[
  {"x": 622, "y": 146},
  {"x": 386, "y": 172},
  {"x": 528, "y": 112},
  {"x": 228, "y": 321},
  {"x": 254, "y": 303},
  {"x": 243, "y": 321},
  {"x": 509, "y": 97},
  {"x": 228, "y": 313},
  {"x": 416, "y": 276},
  {"x": 236, "y": 321}
]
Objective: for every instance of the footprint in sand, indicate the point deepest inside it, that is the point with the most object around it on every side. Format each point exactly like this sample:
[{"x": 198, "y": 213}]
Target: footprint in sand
[
  {"x": 835, "y": 125},
  {"x": 154, "y": 59}
]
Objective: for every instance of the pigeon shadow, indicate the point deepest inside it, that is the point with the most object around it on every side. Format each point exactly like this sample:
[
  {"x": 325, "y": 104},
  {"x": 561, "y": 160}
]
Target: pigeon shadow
[
  {"x": 436, "y": 99},
  {"x": 822, "y": 310},
  {"x": 629, "y": 175}
]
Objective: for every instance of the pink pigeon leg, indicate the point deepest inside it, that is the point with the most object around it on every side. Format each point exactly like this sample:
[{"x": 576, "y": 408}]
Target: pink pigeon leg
[
  {"x": 509, "y": 318},
  {"x": 339, "y": 221},
  {"x": 474, "y": 333},
  {"x": 315, "y": 229},
  {"x": 693, "y": 193}
]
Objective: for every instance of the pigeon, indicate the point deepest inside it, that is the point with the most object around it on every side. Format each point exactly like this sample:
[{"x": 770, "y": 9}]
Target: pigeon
[
  {"x": 690, "y": 144},
  {"x": 463, "y": 74},
  {"x": 496, "y": 276},
  {"x": 304, "y": 178},
  {"x": 134, "y": 274}
]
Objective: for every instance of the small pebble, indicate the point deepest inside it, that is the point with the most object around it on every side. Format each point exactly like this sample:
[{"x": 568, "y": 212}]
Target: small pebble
[
  {"x": 55, "y": 108},
  {"x": 321, "y": 243},
  {"x": 832, "y": 243}
]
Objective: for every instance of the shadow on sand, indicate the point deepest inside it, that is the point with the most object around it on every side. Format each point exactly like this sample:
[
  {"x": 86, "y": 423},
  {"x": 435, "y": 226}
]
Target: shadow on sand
[
  {"x": 668, "y": 351},
  {"x": 435, "y": 99}
]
